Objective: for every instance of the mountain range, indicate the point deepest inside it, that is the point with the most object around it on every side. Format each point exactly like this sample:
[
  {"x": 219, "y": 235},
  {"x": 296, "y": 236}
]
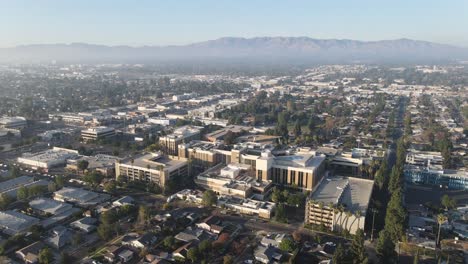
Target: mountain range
[{"x": 290, "y": 49}]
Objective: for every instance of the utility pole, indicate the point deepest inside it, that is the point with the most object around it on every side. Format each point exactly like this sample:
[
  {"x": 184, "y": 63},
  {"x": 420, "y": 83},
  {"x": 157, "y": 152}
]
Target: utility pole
[{"x": 373, "y": 220}]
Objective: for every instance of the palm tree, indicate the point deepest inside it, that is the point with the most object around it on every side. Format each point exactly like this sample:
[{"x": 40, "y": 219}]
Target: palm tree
[
  {"x": 335, "y": 213},
  {"x": 358, "y": 216},
  {"x": 341, "y": 209},
  {"x": 348, "y": 215},
  {"x": 440, "y": 220}
]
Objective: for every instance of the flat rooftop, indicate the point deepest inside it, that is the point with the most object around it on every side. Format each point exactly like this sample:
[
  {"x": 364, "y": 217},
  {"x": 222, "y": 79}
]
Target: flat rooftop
[
  {"x": 48, "y": 205},
  {"x": 11, "y": 120},
  {"x": 185, "y": 131},
  {"x": 97, "y": 161},
  {"x": 354, "y": 193},
  {"x": 155, "y": 160},
  {"x": 13, "y": 222},
  {"x": 301, "y": 160},
  {"x": 98, "y": 130},
  {"x": 15, "y": 182},
  {"x": 50, "y": 154}
]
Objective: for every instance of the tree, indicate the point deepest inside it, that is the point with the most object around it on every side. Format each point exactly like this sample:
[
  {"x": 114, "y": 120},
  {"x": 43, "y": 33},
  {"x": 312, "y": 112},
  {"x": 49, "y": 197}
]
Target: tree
[
  {"x": 5, "y": 201},
  {"x": 14, "y": 172},
  {"x": 297, "y": 129},
  {"x": 169, "y": 242},
  {"x": 386, "y": 248},
  {"x": 358, "y": 250},
  {"x": 143, "y": 215},
  {"x": 311, "y": 125},
  {"x": 83, "y": 165},
  {"x": 280, "y": 214},
  {"x": 45, "y": 256},
  {"x": 59, "y": 181},
  {"x": 440, "y": 220},
  {"x": 416, "y": 258},
  {"x": 205, "y": 247},
  {"x": 65, "y": 258},
  {"x": 395, "y": 216},
  {"x": 36, "y": 231},
  {"x": 297, "y": 236},
  {"x": 276, "y": 196},
  {"x": 209, "y": 198},
  {"x": 448, "y": 202},
  {"x": 51, "y": 187},
  {"x": 228, "y": 259},
  {"x": 340, "y": 255},
  {"x": 110, "y": 187},
  {"x": 105, "y": 231},
  {"x": 229, "y": 138},
  {"x": 395, "y": 179},
  {"x": 193, "y": 254},
  {"x": 22, "y": 193},
  {"x": 296, "y": 199},
  {"x": 287, "y": 245},
  {"x": 77, "y": 239},
  {"x": 93, "y": 178}
]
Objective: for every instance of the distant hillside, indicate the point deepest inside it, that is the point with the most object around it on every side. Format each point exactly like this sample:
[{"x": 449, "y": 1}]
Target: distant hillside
[{"x": 287, "y": 49}]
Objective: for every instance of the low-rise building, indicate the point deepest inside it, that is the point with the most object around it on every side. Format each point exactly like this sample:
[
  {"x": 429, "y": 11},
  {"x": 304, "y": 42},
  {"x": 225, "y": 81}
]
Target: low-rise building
[
  {"x": 97, "y": 133},
  {"x": 47, "y": 206},
  {"x": 442, "y": 178},
  {"x": 13, "y": 122},
  {"x": 81, "y": 197},
  {"x": 48, "y": 158},
  {"x": 13, "y": 223},
  {"x": 30, "y": 254},
  {"x": 339, "y": 203},
  {"x": 431, "y": 159},
  {"x": 234, "y": 179},
  {"x": 105, "y": 164},
  {"x": 86, "y": 224},
  {"x": 247, "y": 206}
]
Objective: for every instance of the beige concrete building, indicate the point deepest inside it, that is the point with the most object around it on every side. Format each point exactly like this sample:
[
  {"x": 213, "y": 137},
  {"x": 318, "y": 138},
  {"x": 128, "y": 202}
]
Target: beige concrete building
[
  {"x": 152, "y": 167},
  {"x": 97, "y": 133},
  {"x": 170, "y": 143},
  {"x": 302, "y": 169},
  {"x": 234, "y": 179},
  {"x": 339, "y": 203},
  {"x": 202, "y": 154}
]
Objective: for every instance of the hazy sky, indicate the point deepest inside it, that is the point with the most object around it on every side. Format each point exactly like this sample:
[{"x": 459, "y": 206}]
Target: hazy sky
[{"x": 136, "y": 22}]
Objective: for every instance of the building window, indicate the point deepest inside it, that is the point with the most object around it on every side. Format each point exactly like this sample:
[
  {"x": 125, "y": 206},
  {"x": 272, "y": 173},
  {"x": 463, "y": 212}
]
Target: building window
[{"x": 301, "y": 178}]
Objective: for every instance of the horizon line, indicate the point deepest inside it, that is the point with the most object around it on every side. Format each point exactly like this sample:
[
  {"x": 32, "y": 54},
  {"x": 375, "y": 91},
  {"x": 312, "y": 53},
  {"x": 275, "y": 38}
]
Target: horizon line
[{"x": 219, "y": 38}]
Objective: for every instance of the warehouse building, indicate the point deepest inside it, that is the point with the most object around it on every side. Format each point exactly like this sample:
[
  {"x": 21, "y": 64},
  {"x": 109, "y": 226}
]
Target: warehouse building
[
  {"x": 13, "y": 223},
  {"x": 81, "y": 197},
  {"x": 47, "y": 159}
]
